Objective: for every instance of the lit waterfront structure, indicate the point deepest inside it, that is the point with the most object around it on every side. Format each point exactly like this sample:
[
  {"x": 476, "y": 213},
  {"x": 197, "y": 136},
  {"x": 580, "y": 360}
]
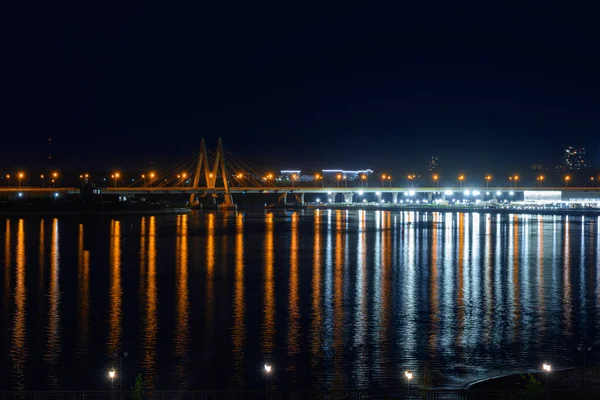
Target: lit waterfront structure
[
  {"x": 289, "y": 174},
  {"x": 332, "y": 174}
]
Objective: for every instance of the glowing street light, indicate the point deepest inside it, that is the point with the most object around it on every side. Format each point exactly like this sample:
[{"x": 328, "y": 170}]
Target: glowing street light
[
  {"x": 547, "y": 369},
  {"x": 461, "y": 179},
  {"x": 294, "y": 177},
  {"x": 363, "y": 178},
  {"x": 8, "y": 178},
  {"x": 115, "y": 176},
  {"x": 317, "y": 178},
  {"x": 411, "y": 179},
  {"x": 389, "y": 178},
  {"x": 54, "y": 178},
  {"x": 567, "y": 179},
  {"x": 382, "y": 179},
  {"x": 592, "y": 180},
  {"x": 111, "y": 375},
  {"x": 409, "y": 376},
  {"x": 488, "y": 178},
  {"x": 338, "y": 177},
  {"x": 435, "y": 178},
  {"x": 42, "y": 178},
  {"x": 540, "y": 180},
  {"x": 20, "y": 177},
  {"x": 268, "y": 369}
]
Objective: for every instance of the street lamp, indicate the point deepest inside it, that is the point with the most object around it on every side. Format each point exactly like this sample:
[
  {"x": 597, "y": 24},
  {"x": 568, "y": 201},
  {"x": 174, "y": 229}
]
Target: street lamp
[
  {"x": 540, "y": 180},
  {"x": 339, "y": 177},
  {"x": 583, "y": 349},
  {"x": 592, "y": 179},
  {"x": 547, "y": 368},
  {"x": 488, "y": 178},
  {"x": 115, "y": 176},
  {"x": 20, "y": 177},
  {"x": 111, "y": 375},
  {"x": 409, "y": 376},
  {"x": 435, "y": 180},
  {"x": 363, "y": 177},
  {"x": 268, "y": 369},
  {"x": 389, "y": 177},
  {"x": 382, "y": 179},
  {"x": 567, "y": 179},
  {"x": 461, "y": 178},
  {"x": 42, "y": 178},
  {"x": 8, "y": 178},
  {"x": 152, "y": 175},
  {"x": 54, "y": 178},
  {"x": 317, "y": 177}
]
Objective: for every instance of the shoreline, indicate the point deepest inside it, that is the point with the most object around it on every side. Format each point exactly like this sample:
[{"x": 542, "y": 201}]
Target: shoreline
[{"x": 561, "y": 212}]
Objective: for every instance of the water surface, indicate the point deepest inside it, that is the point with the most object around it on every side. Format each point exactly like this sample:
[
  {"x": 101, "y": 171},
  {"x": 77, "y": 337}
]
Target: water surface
[{"x": 331, "y": 298}]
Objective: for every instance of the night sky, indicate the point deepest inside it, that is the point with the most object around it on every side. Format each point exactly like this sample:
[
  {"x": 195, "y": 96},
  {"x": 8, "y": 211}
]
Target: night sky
[{"x": 301, "y": 86}]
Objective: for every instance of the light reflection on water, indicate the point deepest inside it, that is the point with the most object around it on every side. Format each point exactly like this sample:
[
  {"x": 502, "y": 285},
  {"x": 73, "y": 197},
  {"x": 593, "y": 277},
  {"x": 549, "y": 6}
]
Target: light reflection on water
[{"x": 332, "y": 298}]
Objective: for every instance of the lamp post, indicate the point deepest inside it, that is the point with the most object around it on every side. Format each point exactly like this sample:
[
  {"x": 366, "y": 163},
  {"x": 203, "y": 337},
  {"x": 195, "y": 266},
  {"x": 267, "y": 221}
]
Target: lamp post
[
  {"x": 346, "y": 181},
  {"x": 121, "y": 356},
  {"x": 540, "y": 180},
  {"x": 111, "y": 375},
  {"x": 488, "y": 178},
  {"x": 585, "y": 350},
  {"x": 81, "y": 177},
  {"x": 317, "y": 177},
  {"x": 364, "y": 179},
  {"x": 54, "y": 178},
  {"x": 516, "y": 178},
  {"x": 115, "y": 176},
  {"x": 435, "y": 180},
  {"x": 461, "y": 178},
  {"x": 339, "y": 177},
  {"x": 268, "y": 369},
  {"x": 20, "y": 177},
  {"x": 567, "y": 179},
  {"x": 592, "y": 179},
  {"x": 411, "y": 178},
  {"x": 42, "y": 178},
  {"x": 382, "y": 179},
  {"x": 144, "y": 178},
  {"x": 547, "y": 368},
  {"x": 8, "y": 179},
  {"x": 390, "y": 180},
  {"x": 294, "y": 176},
  {"x": 152, "y": 175},
  {"x": 409, "y": 376}
]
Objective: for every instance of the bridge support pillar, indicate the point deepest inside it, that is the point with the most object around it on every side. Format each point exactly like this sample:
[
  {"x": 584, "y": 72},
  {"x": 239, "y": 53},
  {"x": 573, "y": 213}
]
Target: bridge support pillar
[
  {"x": 378, "y": 197},
  {"x": 348, "y": 198},
  {"x": 395, "y": 197},
  {"x": 300, "y": 198},
  {"x": 429, "y": 197},
  {"x": 283, "y": 198},
  {"x": 330, "y": 197}
]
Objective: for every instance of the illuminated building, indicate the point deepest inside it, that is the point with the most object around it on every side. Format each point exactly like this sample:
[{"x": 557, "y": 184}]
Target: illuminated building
[
  {"x": 575, "y": 158},
  {"x": 332, "y": 174},
  {"x": 433, "y": 164}
]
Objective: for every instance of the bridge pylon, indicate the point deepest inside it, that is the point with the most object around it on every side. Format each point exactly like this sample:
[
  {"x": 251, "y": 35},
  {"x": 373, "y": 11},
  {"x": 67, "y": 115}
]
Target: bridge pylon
[{"x": 210, "y": 173}]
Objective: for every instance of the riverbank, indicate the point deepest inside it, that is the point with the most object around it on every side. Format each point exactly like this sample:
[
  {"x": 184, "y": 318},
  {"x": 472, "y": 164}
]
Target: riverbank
[
  {"x": 434, "y": 208},
  {"x": 562, "y": 379}
]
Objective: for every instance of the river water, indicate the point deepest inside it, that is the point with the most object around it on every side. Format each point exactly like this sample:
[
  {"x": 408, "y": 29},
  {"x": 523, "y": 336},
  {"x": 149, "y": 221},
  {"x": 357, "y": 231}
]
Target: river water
[{"x": 330, "y": 298}]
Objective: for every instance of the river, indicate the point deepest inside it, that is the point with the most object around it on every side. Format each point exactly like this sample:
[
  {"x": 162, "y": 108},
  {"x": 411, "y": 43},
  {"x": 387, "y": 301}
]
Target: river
[{"x": 331, "y": 298}]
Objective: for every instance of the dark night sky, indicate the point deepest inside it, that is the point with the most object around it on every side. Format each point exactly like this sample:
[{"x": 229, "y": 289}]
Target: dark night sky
[{"x": 295, "y": 86}]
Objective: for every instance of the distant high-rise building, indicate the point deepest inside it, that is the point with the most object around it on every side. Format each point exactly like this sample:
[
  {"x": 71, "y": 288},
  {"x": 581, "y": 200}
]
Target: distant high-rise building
[
  {"x": 433, "y": 164},
  {"x": 575, "y": 158}
]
